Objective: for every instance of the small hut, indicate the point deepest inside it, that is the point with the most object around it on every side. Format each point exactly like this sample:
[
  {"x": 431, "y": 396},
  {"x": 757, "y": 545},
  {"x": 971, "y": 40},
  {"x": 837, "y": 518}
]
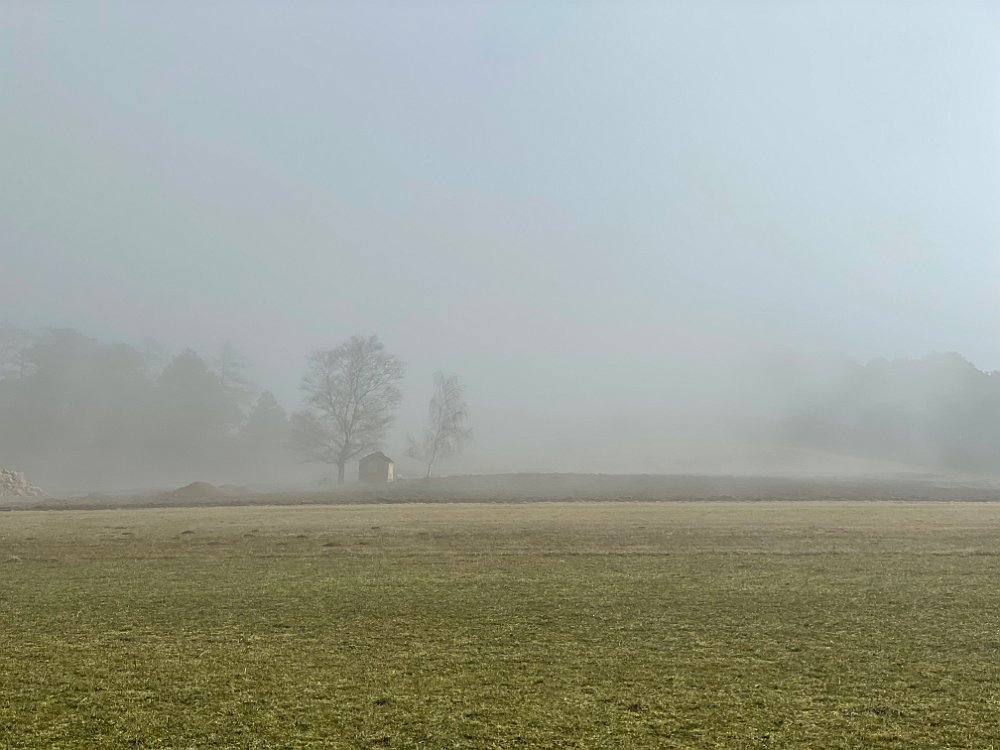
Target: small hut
[{"x": 376, "y": 467}]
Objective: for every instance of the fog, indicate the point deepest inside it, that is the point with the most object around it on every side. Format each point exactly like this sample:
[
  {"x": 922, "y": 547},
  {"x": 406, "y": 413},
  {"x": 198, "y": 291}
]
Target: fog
[{"x": 648, "y": 237}]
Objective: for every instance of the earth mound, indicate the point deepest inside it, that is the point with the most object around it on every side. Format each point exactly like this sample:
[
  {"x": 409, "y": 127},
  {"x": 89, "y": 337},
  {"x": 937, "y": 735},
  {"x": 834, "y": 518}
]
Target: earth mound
[
  {"x": 14, "y": 484},
  {"x": 206, "y": 491}
]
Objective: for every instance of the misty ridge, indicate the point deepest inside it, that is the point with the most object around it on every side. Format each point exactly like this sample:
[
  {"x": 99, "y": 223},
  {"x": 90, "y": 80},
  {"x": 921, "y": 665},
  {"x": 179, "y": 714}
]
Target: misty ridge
[{"x": 78, "y": 413}]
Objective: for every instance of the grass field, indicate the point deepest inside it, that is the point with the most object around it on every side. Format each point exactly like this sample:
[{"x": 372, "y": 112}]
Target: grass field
[{"x": 555, "y": 625}]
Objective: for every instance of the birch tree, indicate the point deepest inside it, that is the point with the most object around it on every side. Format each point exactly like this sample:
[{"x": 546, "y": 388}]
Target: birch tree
[{"x": 447, "y": 429}]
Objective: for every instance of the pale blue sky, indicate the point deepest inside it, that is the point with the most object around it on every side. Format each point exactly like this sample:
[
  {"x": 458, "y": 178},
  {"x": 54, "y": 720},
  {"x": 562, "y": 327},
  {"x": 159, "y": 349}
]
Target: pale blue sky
[{"x": 555, "y": 200}]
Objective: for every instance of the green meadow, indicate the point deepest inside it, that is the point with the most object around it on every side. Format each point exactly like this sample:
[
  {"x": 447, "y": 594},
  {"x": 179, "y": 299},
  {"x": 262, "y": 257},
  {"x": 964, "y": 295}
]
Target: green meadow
[{"x": 491, "y": 625}]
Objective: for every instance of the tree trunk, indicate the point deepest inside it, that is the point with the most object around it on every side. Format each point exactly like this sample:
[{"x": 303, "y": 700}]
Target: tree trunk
[
  {"x": 340, "y": 472},
  {"x": 434, "y": 455}
]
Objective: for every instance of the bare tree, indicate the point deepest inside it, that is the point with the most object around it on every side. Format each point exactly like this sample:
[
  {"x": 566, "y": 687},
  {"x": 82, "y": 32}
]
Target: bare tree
[
  {"x": 351, "y": 397},
  {"x": 447, "y": 430}
]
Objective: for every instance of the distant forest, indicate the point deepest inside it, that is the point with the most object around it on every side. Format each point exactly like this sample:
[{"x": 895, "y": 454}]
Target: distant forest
[
  {"x": 79, "y": 411},
  {"x": 86, "y": 413},
  {"x": 938, "y": 411}
]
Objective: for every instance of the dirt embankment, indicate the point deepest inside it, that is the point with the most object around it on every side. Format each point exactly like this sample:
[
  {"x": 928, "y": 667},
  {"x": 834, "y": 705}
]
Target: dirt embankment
[
  {"x": 554, "y": 487},
  {"x": 205, "y": 492}
]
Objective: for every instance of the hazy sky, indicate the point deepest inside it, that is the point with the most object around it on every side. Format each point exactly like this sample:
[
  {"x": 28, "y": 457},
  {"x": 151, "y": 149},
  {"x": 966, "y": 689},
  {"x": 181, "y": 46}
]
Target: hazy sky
[{"x": 555, "y": 200}]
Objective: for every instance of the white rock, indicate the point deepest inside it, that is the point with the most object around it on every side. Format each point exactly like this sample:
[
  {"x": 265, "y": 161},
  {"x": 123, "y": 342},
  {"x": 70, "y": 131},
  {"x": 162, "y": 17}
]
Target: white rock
[{"x": 14, "y": 484}]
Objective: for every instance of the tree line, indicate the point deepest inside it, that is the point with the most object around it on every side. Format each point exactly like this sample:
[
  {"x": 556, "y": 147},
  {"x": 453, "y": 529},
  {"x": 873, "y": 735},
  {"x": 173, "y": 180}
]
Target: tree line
[
  {"x": 937, "y": 411},
  {"x": 75, "y": 409},
  {"x": 78, "y": 410}
]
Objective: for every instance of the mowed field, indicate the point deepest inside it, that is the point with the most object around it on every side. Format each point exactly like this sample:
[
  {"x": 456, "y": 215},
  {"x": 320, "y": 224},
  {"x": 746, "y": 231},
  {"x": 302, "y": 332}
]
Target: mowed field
[{"x": 550, "y": 625}]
